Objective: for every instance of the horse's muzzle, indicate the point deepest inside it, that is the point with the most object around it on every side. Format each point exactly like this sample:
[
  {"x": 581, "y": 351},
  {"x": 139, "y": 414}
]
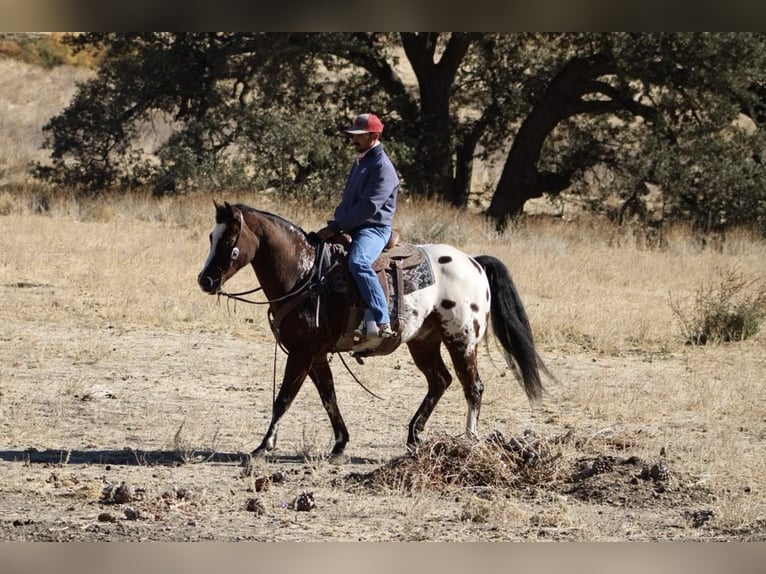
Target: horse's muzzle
[{"x": 208, "y": 284}]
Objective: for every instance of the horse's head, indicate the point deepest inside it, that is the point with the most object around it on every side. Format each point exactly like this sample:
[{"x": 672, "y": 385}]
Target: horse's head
[{"x": 232, "y": 246}]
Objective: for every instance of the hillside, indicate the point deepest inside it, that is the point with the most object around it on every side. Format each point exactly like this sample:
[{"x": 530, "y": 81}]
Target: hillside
[{"x": 29, "y": 96}]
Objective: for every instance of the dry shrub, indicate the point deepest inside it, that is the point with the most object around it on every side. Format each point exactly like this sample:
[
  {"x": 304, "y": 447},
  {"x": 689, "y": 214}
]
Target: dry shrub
[
  {"x": 7, "y": 203},
  {"x": 730, "y": 309},
  {"x": 446, "y": 461},
  {"x": 45, "y": 49},
  {"x": 428, "y": 221}
]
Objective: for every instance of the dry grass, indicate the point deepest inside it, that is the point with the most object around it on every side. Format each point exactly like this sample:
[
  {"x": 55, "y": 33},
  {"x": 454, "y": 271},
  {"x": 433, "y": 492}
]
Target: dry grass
[
  {"x": 29, "y": 96},
  {"x": 729, "y": 309},
  {"x": 102, "y": 293},
  {"x": 46, "y": 50},
  {"x": 572, "y": 280},
  {"x": 446, "y": 462},
  {"x": 99, "y": 299}
]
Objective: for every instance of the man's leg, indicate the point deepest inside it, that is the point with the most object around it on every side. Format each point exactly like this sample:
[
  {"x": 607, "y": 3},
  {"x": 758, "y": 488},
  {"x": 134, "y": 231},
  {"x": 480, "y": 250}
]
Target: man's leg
[{"x": 367, "y": 244}]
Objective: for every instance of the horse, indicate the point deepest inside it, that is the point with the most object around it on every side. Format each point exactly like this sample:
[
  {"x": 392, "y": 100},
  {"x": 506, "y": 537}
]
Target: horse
[{"x": 454, "y": 310}]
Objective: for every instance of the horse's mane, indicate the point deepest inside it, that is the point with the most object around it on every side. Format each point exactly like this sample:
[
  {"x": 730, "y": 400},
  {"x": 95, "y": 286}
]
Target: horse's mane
[{"x": 279, "y": 218}]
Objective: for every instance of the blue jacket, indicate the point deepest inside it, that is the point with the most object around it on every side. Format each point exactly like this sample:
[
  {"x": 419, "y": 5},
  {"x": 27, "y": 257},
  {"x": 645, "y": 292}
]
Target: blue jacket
[{"x": 369, "y": 197}]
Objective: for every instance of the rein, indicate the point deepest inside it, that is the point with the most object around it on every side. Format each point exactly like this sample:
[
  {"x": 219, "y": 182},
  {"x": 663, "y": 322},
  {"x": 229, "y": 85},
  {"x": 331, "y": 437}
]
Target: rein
[
  {"x": 240, "y": 296},
  {"x": 275, "y": 321}
]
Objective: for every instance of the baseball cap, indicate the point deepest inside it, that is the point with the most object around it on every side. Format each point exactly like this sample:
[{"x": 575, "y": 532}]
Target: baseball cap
[{"x": 364, "y": 124}]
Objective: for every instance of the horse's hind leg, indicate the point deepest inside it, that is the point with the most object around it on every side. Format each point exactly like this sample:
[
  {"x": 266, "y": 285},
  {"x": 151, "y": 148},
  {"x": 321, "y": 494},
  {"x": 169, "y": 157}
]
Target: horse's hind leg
[
  {"x": 425, "y": 353},
  {"x": 296, "y": 369},
  {"x": 467, "y": 371},
  {"x": 321, "y": 375}
]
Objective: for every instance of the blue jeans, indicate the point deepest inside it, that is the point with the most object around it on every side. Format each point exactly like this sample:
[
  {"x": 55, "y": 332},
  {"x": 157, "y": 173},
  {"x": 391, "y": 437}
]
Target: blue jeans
[{"x": 367, "y": 244}]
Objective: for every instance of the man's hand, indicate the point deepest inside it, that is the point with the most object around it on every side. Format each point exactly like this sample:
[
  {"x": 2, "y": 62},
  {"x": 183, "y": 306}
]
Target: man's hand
[{"x": 326, "y": 233}]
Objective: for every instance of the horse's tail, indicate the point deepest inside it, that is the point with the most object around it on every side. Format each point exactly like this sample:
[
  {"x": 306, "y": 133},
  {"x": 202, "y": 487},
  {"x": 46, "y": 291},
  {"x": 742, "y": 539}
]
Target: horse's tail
[{"x": 511, "y": 327}]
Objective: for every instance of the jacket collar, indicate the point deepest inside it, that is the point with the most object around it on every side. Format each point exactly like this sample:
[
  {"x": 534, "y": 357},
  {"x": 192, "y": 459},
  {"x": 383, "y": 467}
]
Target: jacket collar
[{"x": 376, "y": 148}]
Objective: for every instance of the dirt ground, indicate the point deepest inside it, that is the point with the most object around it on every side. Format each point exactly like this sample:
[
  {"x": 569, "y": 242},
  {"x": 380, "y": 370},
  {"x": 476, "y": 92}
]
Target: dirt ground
[
  {"x": 129, "y": 399},
  {"x": 116, "y": 434}
]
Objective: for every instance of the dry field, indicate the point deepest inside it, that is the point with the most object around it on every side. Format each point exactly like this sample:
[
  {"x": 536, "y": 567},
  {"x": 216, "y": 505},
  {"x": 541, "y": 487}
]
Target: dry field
[
  {"x": 117, "y": 369},
  {"x": 127, "y": 397}
]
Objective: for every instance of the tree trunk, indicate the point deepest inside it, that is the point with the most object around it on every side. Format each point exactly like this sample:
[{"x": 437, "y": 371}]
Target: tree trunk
[
  {"x": 464, "y": 156},
  {"x": 461, "y": 187},
  {"x": 521, "y": 180},
  {"x": 435, "y": 79}
]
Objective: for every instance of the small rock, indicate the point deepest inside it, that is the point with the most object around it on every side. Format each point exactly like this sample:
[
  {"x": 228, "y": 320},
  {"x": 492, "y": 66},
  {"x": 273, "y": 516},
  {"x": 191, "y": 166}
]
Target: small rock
[
  {"x": 122, "y": 494},
  {"x": 255, "y": 505},
  {"x": 700, "y": 517},
  {"x": 278, "y": 476},
  {"x": 184, "y": 494},
  {"x": 262, "y": 483},
  {"x": 98, "y": 392},
  {"x": 601, "y": 465},
  {"x": 107, "y": 517},
  {"x": 659, "y": 472},
  {"x": 304, "y": 502}
]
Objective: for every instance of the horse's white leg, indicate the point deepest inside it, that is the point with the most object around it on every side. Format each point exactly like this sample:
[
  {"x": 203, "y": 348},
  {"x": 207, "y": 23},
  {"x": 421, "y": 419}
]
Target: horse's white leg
[
  {"x": 462, "y": 306},
  {"x": 467, "y": 372},
  {"x": 474, "y": 406},
  {"x": 296, "y": 369}
]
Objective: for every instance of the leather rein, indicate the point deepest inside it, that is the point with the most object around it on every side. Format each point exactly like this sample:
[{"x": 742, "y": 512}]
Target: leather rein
[
  {"x": 297, "y": 296},
  {"x": 294, "y": 297}
]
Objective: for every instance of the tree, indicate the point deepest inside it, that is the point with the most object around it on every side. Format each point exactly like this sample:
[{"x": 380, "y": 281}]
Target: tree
[
  {"x": 264, "y": 110},
  {"x": 608, "y": 100},
  {"x": 239, "y": 107}
]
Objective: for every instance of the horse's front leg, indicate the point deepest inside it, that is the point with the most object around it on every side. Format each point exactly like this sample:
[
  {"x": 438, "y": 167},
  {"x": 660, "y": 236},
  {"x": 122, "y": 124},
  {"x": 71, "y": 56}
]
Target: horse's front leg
[
  {"x": 321, "y": 375},
  {"x": 296, "y": 369}
]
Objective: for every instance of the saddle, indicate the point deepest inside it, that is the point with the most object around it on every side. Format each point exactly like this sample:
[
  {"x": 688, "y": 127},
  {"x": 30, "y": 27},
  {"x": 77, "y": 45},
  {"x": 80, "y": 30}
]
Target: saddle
[{"x": 401, "y": 269}]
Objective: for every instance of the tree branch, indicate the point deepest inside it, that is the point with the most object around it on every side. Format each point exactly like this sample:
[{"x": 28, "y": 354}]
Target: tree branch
[{"x": 622, "y": 97}]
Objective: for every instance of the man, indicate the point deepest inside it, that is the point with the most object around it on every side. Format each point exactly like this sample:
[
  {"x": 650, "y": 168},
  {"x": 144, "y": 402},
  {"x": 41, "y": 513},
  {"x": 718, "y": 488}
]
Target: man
[{"x": 366, "y": 213}]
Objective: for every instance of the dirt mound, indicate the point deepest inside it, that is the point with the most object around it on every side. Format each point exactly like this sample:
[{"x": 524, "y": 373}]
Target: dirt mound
[
  {"x": 446, "y": 461},
  {"x": 531, "y": 463}
]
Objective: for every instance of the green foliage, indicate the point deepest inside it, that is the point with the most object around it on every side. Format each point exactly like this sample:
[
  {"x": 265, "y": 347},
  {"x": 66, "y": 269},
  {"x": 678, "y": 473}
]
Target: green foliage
[
  {"x": 731, "y": 309},
  {"x": 229, "y": 102},
  {"x": 263, "y": 110}
]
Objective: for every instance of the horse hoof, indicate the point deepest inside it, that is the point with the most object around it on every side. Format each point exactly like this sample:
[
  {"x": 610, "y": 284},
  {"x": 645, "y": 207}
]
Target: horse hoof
[
  {"x": 338, "y": 458},
  {"x": 259, "y": 453},
  {"x": 250, "y": 465}
]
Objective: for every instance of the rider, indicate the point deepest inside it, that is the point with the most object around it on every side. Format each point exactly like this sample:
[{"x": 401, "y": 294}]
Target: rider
[{"x": 366, "y": 213}]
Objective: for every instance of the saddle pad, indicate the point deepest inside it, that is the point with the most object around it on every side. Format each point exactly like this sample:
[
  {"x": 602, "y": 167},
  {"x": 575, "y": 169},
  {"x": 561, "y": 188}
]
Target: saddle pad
[{"x": 412, "y": 261}]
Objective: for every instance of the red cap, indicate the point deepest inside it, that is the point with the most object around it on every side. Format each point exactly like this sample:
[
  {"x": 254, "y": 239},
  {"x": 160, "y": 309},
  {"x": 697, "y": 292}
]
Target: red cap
[{"x": 364, "y": 124}]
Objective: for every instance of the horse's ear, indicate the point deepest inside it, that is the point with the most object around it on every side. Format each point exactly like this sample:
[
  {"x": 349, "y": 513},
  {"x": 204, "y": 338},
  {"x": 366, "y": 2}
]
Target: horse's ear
[{"x": 217, "y": 207}]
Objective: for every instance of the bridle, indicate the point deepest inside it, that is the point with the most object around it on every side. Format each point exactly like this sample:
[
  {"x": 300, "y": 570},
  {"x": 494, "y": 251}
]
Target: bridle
[
  {"x": 301, "y": 288},
  {"x": 296, "y": 297},
  {"x": 305, "y": 284},
  {"x": 240, "y": 295}
]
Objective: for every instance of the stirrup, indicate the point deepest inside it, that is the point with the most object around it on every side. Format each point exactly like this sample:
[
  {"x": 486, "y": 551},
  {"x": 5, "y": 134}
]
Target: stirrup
[{"x": 385, "y": 331}]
